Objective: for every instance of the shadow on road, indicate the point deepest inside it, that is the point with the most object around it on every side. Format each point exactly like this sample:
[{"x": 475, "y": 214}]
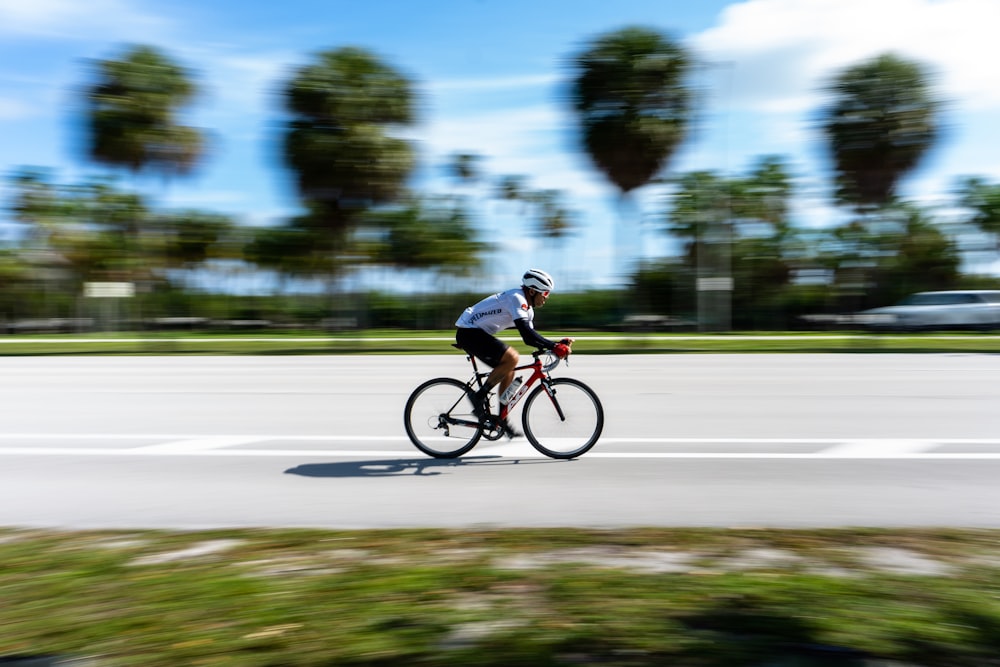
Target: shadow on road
[{"x": 398, "y": 467}]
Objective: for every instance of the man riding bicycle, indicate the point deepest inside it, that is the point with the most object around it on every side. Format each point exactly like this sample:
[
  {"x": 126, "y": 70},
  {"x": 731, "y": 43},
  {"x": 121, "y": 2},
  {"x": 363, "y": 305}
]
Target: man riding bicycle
[{"x": 478, "y": 324}]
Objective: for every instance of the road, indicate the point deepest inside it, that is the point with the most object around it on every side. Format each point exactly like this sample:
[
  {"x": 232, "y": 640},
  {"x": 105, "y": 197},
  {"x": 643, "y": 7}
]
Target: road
[{"x": 799, "y": 440}]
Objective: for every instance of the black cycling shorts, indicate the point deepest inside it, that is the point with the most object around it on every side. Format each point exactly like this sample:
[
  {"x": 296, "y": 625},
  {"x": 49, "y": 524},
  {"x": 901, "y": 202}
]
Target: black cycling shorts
[{"x": 481, "y": 345}]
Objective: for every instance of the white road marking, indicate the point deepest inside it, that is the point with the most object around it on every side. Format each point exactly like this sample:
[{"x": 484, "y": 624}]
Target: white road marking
[
  {"x": 522, "y": 454},
  {"x": 228, "y": 446},
  {"x": 189, "y": 445},
  {"x": 177, "y": 436},
  {"x": 876, "y": 449}
]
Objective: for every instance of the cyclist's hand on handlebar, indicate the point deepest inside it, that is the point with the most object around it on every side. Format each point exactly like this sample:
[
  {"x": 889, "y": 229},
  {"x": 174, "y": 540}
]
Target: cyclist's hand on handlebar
[{"x": 561, "y": 350}]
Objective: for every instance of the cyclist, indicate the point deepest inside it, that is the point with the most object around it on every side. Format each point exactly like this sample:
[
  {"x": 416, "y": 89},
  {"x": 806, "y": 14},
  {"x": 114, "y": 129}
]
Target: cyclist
[{"x": 514, "y": 307}]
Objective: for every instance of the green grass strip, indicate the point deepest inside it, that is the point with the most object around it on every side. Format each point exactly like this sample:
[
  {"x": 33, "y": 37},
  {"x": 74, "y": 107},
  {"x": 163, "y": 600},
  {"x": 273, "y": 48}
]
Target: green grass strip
[
  {"x": 687, "y": 597},
  {"x": 439, "y": 342}
]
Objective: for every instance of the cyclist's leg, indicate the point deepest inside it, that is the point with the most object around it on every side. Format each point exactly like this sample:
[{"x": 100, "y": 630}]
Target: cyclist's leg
[
  {"x": 503, "y": 374},
  {"x": 493, "y": 352}
]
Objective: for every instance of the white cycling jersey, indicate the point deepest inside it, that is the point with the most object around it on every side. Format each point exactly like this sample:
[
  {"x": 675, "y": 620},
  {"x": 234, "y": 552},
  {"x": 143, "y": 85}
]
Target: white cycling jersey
[{"x": 498, "y": 312}]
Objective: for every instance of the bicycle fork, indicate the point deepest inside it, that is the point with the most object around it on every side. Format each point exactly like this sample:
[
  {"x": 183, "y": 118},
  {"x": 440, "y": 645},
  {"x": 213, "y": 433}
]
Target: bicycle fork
[{"x": 551, "y": 391}]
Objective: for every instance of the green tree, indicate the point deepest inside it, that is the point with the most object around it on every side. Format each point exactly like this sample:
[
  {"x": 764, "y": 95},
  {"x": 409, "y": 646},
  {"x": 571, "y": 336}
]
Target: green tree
[
  {"x": 133, "y": 109},
  {"x": 924, "y": 258},
  {"x": 132, "y": 114},
  {"x": 74, "y": 234},
  {"x": 881, "y": 120},
  {"x": 629, "y": 92},
  {"x": 735, "y": 231},
  {"x": 81, "y": 228},
  {"x": 983, "y": 199},
  {"x": 339, "y": 143},
  {"x": 877, "y": 263},
  {"x": 432, "y": 235},
  {"x": 291, "y": 251},
  {"x": 193, "y": 238}
]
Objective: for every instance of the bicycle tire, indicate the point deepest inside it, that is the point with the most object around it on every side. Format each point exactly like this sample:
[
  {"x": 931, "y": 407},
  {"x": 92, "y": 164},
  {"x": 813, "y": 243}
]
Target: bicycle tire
[
  {"x": 570, "y": 434},
  {"x": 428, "y": 414}
]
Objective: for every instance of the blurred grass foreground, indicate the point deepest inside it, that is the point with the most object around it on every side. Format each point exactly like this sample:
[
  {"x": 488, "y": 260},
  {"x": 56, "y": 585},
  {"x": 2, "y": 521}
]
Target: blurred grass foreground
[{"x": 685, "y": 597}]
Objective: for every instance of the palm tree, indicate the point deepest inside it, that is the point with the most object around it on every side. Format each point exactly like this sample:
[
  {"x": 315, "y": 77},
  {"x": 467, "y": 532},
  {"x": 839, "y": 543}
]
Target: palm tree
[
  {"x": 882, "y": 119},
  {"x": 132, "y": 109},
  {"x": 628, "y": 91},
  {"x": 338, "y": 142}
]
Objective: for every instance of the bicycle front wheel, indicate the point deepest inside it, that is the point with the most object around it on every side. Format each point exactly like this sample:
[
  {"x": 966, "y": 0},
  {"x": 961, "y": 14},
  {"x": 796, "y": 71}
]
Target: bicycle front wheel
[
  {"x": 565, "y": 423},
  {"x": 439, "y": 420}
]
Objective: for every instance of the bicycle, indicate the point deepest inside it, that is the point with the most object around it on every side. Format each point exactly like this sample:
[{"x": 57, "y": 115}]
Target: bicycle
[{"x": 440, "y": 422}]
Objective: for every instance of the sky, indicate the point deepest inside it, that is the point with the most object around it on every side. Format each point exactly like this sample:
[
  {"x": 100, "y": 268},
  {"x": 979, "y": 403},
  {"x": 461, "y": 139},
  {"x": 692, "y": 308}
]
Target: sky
[{"x": 490, "y": 77}]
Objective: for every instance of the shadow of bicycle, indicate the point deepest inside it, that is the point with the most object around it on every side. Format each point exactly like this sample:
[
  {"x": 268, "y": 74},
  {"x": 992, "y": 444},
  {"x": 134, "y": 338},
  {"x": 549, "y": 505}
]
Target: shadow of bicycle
[{"x": 421, "y": 467}]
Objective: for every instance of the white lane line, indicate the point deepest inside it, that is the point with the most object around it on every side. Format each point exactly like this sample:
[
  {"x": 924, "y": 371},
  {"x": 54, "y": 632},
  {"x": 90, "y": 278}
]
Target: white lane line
[
  {"x": 414, "y": 454},
  {"x": 919, "y": 444},
  {"x": 876, "y": 449},
  {"x": 498, "y": 452},
  {"x": 228, "y": 446},
  {"x": 189, "y": 445},
  {"x": 180, "y": 436},
  {"x": 142, "y": 451}
]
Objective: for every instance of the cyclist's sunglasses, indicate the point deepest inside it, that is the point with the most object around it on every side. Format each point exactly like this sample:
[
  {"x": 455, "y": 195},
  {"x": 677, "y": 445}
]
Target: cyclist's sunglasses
[{"x": 543, "y": 292}]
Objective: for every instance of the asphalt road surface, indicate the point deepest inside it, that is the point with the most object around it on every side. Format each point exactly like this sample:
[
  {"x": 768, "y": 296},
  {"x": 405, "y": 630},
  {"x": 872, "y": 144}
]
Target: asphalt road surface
[{"x": 797, "y": 440}]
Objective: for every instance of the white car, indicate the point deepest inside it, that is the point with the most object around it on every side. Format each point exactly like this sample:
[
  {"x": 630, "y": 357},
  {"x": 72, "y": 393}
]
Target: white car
[{"x": 956, "y": 309}]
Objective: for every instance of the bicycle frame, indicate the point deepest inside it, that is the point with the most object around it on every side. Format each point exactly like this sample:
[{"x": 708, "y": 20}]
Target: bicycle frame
[
  {"x": 536, "y": 375},
  {"x": 539, "y": 373}
]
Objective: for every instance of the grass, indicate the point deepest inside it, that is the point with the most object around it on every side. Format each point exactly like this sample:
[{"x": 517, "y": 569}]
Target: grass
[
  {"x": 439, "y": 342},
  {"x": 686, "y": 597}
]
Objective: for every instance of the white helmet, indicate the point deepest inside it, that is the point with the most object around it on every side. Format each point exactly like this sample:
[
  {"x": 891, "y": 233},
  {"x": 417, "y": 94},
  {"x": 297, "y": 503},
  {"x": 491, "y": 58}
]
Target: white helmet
[{"x": 538, "y": 279}]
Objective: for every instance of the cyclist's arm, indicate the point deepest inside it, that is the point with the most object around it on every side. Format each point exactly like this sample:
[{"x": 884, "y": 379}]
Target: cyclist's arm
[{"x": 532, "y": 337}]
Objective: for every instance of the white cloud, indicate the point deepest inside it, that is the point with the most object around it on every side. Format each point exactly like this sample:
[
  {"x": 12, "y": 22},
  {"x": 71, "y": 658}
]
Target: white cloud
[
  {"x": 13, "y": 110},
  {"x": 526, "y": 141},
  {"x": 784, "y": 51},
  {"x": 71, "y": 19}
]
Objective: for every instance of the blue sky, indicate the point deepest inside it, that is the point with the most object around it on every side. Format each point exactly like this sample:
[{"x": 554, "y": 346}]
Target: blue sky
[{"x": 488, "y": 73}]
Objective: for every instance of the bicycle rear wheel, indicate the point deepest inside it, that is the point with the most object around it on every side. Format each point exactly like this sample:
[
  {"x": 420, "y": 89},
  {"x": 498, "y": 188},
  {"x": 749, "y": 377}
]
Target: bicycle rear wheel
[
  {"x": 566, "y": 423},
  {"x": 439, "y": 420}
]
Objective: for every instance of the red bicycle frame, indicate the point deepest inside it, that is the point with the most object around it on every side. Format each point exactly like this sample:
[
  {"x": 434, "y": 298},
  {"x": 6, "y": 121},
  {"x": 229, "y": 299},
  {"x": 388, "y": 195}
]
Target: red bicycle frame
[{"x": 536, "y": 375}]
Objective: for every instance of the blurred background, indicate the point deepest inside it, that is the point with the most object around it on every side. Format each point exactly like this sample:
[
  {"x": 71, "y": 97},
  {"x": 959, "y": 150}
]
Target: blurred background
[{"x": 711, "y": 166}]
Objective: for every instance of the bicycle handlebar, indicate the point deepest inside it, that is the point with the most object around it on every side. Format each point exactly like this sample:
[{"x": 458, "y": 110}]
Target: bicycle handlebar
[{"x": 552, "y": 364}]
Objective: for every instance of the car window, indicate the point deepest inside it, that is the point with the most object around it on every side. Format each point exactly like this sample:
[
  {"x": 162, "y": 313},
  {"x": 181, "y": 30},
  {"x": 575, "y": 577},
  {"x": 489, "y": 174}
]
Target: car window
[
  {"x": 926, "y": 300},
  {"x": 991, "y": 297},
  {"x": 942, "y": 299}
]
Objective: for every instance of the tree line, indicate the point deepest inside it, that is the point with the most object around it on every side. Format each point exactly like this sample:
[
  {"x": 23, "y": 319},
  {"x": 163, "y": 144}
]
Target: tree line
[{"x": 743, "y": 263}]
